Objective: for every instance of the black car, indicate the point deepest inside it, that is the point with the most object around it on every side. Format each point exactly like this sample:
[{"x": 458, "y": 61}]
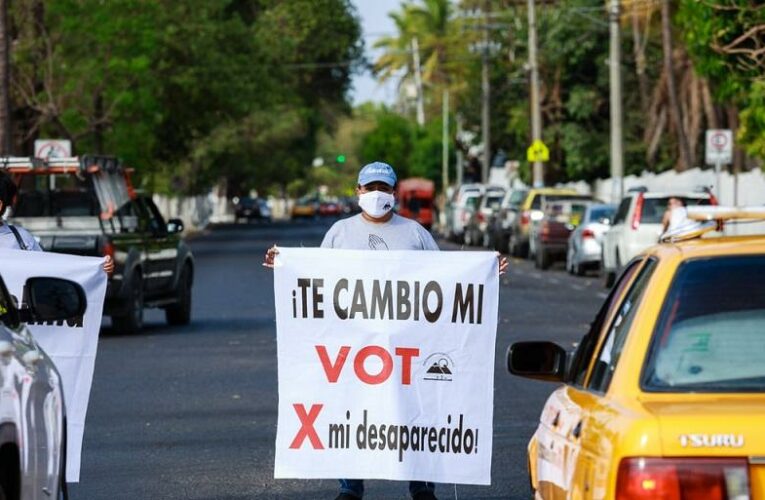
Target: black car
[{"x": 249, "y": 209}]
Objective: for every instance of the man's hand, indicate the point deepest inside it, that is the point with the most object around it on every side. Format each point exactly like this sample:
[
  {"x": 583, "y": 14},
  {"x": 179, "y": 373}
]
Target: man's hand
[
  {"x": 109, "y": 265},
  {"x": 271, "y": 254},
  {"x": 503, "y": 264}
]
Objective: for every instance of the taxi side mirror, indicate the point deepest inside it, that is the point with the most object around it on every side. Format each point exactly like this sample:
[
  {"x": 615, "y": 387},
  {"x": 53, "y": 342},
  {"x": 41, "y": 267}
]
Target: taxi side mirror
[
  {"x": 537, "y": 360},
  {"x": 52, "y": 299}
]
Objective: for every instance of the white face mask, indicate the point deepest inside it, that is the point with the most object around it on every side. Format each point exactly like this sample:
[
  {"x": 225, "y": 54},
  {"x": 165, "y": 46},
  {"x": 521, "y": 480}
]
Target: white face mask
[{"x": 376, "y": 203}]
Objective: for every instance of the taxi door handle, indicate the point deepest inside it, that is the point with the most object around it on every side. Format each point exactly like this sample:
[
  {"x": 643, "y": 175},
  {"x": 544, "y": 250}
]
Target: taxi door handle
[{"x": 577, "y": 430}]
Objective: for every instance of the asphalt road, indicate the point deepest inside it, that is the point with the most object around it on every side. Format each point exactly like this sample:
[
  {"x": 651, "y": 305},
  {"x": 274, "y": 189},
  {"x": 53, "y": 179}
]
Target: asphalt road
[{"x": 190, "y": 413}]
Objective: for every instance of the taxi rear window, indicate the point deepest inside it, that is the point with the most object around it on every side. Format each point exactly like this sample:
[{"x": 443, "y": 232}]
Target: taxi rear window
[{"x": 711, "y": 332}]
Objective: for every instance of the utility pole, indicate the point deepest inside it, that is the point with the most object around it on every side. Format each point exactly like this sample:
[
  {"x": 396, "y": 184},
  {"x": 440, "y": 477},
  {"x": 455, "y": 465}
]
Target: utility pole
[
  {"x": 417, "y": 82},
  {"x": 485, "y": 99},
  {"x": 5, "y": 80},
  {"x": 615, "y": 67},
  {"x": 536, "y": 114},
  {"x": 460, "y": 157},
  {"x": 445, "y": 140}
]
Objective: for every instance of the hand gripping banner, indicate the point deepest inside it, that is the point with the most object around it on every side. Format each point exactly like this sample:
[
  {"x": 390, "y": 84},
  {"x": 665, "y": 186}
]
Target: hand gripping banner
[
  {"x": 386, "y": 364},
  {"x": 72, "y": 347}
]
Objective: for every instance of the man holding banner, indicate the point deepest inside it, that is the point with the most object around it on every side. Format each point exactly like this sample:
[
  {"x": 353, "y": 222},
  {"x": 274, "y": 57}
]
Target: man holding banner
[{"x": 354, "y": 407}]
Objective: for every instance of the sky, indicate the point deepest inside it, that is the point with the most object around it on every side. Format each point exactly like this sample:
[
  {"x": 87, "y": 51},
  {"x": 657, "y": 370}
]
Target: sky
[{"x": 374, "y": 23}]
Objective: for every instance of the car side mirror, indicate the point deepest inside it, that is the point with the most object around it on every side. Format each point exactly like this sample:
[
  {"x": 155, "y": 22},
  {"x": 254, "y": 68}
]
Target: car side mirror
[
  {"x": 537, "y": 360},
  {"x": 174, "y": 226},
  {"x": 605, "y": 220},
  {"x": 52, "y": 299}
]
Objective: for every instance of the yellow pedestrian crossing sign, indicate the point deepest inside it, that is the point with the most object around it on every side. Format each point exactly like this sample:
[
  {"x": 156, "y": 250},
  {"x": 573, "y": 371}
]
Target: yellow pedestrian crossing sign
[{"x": 538, "y": 152}]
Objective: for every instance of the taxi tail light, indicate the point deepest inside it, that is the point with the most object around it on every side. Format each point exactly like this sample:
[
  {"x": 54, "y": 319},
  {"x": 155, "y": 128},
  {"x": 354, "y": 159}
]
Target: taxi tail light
[
  {"x": 588, "y": 233},
  {"x": 683, "y": 479},
  {"x": 638, "y": 211}
]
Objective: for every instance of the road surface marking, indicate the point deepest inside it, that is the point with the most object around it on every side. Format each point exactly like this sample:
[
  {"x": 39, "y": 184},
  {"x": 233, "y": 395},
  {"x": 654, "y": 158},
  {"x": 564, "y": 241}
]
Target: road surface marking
[{"x": 603, "y": 295}]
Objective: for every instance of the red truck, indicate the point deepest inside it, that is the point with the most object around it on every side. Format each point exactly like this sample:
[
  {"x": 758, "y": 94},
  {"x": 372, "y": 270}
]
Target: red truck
[
  {"x": 415, "y": 200},
  {"x": 549, "y": 239}
]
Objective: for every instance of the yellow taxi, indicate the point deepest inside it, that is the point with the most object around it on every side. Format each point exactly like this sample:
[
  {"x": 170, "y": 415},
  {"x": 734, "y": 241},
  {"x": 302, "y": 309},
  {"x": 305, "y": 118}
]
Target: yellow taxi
[
  {"x": 664, "y": 397},
  {"x": 304, "y": 207}
]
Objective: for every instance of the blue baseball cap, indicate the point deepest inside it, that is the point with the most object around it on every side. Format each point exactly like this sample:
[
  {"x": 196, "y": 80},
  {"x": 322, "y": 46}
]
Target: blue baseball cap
[{"x": 377, "y": 172}]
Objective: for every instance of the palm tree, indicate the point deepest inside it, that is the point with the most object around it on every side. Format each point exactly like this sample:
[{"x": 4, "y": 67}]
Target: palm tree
[{"x": 431, "y": 23}]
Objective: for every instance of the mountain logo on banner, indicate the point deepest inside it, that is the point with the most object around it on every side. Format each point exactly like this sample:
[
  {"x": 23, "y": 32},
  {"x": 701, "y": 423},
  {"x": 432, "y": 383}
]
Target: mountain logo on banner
[{"x": 440, "y": 367}]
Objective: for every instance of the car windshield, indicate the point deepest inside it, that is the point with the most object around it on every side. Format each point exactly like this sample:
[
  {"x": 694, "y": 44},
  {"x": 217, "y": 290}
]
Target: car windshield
[
  {"x": 711, "y": 332},
  {"x": 538, "y": 201},
  {"x": 493, "y": 202},
  {"x": 599, "y": 213},
  {"x": 654, "y": 208},
  {"x": 472, "y": 201}
]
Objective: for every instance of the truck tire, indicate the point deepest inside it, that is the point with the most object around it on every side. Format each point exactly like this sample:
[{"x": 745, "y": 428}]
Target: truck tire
[
  {"x": 180, "y": 312},
  {"x": 132, "y": 320},
  {"x": 542, "y": 259}
]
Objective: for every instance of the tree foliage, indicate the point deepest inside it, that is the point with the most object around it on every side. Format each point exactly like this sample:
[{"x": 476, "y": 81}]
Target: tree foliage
[
  {"x": 727, "y": 42},
  {"x": 189, "y": 92}
]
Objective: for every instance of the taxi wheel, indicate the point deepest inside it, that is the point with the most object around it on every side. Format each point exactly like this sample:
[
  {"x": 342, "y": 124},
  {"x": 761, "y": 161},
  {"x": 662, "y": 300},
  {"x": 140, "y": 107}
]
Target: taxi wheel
[
  {"x": 180, "y": 312},
  {"x": 542, "y": 259},
  {"x": 132, "y": 320}
]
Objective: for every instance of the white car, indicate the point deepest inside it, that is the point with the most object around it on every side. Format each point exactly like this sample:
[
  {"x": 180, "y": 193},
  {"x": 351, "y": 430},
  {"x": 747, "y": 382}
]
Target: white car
[
  {"x": 637, "y": 225},
  {"x": 585, "y": 245},
  {"x": 461, "y": 206},
  {"x": 32, "y": 414}
]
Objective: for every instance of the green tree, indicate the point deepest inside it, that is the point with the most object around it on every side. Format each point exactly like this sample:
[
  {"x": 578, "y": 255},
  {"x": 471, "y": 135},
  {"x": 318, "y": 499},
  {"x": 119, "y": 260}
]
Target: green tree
[
  {"x": 390, "y": 141},
  {"x": 725, "y": 40}
]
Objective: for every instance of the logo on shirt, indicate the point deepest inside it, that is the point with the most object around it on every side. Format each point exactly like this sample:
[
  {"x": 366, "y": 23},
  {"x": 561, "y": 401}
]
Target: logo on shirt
[{"x": 377, "y": 243}]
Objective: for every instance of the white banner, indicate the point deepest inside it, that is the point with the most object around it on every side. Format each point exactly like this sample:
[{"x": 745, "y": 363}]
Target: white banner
[
  {"x": 72, "y": 348},
  {"x": 386, "y": 364}
]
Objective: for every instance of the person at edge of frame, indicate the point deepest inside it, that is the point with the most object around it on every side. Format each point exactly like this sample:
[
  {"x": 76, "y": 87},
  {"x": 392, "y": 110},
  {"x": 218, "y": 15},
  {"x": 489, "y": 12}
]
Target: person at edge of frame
[{"x": 378, "y": 228}]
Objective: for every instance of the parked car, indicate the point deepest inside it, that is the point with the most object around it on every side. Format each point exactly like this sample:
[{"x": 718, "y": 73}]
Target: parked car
[
  {"x": 664, "y": 396},
  {"x": 585, "y": 245},
  {"x": 32, "y": 411},
  {"x": 87, "y": 206},
  {"x": 530, "y": 210},
  {"x": 638, "y": 224},
  {"x": 470, "y": 203},
  {"x": 549, "y": 237},
  {"x": 455, "y": 210},
  {"x": 501, "y": 222},
  {"x": 330, "y": 208},
  {"x": 415, "y": 200},
  {"x": 477, "y": 226},
  {"x": 305, "y": 208},
  {"x": 248, "y": 209}
]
